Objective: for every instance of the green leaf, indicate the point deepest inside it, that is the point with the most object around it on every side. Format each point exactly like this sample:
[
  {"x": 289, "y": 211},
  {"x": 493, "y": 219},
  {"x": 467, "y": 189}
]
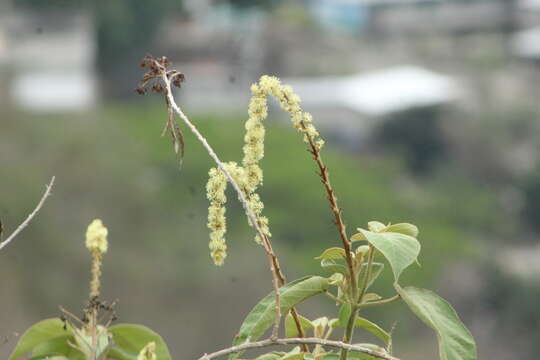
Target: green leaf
[
  {"x": 332, "y": 253},
  {"x": 336, "y": 279},
  {"x": 333, "y": 266},
  {"x": 372, "y": 328},
  {"x": 263, "y": 314},
  {"x": 37, "y": 334},
  {"x": 59, "y": 346},
  {"x": 319, "y": 326},
  {"x": 455, "y": 340},
  {"x": 358, "y": 237},
  {"x": 129, "y": 339},
  {"x": 49, "y": 357},
  {"x": 84, "y": 339},
  {"x": 376, "y": 270},
  {"x": 294, "y": 354},
  {"x": 403, "y": 228},
  {"x": 344, "y": 314},
  {"x": 368, "y": 325},
  {"x": 333, "y": 323},
  {"x": 376, "y": 226},
  {"x": 400, "y": 250},
  {"x": 270, "y": 356},
  {"x": 362, "y": 250},
  {"x": 290, "y": 325}
]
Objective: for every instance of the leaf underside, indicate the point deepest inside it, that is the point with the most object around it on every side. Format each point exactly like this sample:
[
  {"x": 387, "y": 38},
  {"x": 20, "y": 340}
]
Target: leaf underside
[
  {"x": 455, "y": 340},
  {"x": 400, "y": 250},
  {"x": 129, "y": 339}
]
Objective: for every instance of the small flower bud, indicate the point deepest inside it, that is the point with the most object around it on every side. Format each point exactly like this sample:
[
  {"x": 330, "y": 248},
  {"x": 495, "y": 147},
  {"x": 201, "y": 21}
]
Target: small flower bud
[
  {"x": 96, "y": 237},
  {"x": 148, "y": 352}
]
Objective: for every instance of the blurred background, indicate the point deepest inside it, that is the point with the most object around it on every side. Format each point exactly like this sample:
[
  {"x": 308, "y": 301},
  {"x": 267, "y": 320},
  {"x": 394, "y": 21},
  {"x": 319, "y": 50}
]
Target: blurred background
[{"x": 431, "y": 115}]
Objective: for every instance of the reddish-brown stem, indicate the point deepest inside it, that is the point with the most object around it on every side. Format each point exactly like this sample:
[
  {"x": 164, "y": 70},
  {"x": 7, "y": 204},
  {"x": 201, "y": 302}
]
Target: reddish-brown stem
[{"x": 336, "y": 211}]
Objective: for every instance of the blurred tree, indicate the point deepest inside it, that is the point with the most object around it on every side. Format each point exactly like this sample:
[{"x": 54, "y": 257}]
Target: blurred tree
[
  {"x": 531, "y": 190},
  {"x": 416, "y": 135}
]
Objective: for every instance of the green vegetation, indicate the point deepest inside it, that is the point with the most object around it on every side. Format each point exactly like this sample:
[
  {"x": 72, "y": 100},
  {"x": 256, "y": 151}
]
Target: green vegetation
[{"x": 118, "y": 155}]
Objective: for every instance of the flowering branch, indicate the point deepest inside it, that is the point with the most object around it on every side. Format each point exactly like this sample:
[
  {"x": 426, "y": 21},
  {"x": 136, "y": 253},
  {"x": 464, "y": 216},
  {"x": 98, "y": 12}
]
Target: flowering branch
[
  {"x": 30, "y": 217},
  {"x": 297, "y": 341},
  {"x": 159, "y": 67}
]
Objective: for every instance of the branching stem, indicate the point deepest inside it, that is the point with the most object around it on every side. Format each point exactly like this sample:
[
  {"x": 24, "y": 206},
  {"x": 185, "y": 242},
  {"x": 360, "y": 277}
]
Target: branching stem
[
  {"x": 380, "y": 302},
  {"x": 334, "y": 297},
  {"x": 338, "y": 219},
  {"x": 297, "y": 341},
  {"x": 29, "y": 217}
]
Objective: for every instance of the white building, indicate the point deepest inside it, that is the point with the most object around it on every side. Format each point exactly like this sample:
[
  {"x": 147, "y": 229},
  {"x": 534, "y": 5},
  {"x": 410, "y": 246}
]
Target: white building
[
  {"x": 51, "y": 61},
  {"x": 526, "y": 44},
  {"x": 352, "y": 105}
]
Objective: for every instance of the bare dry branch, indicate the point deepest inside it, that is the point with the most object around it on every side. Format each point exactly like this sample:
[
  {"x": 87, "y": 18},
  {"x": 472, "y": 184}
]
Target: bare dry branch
[
  {"x": 297, "y": 341},
  {"x": 30, "y": 217}
]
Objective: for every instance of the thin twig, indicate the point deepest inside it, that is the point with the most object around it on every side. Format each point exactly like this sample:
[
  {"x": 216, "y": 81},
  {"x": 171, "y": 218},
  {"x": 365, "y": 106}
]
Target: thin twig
[
  {"x": 381, "y": 302},
  {"x": 334, "y": 297},
  {"x": 277, "y": 277},
  {"x": 296, "y": 341},
  {"x": 30, "y": 217},
  {"x": 368, "y": 274}
]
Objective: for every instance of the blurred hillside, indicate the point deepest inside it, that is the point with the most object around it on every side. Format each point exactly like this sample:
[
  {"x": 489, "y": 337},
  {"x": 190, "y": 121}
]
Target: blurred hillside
[
  {"x": 113, "y": 165},
  {"x": 451, "y": 146}
]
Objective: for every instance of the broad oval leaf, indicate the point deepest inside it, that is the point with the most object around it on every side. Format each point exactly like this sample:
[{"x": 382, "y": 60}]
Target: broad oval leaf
[
  {"x": 262, "y": 316},
  {"x": 372, "y": 328},
  {"x": 37, "y": 334},
  {"x": 333, "y": 266},
  {"x": 400, "y": 250},
  {"x": 59, "y": 346},
  {"x": 290, "y": 325},
  {"x": 403, "y": 228},
  {"x": 129, "y": 339},
  {"x": 369, "y": 326},
  {"x": 455, "y": 340},
  {"x": 332, "y": 253}
]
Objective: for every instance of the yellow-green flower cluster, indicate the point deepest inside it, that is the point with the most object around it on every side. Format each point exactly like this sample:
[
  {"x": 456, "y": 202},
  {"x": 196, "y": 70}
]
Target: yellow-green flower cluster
[
  {"x": 96, "y": 242},
  {"x": 96, "y": 237},
  {"x": 249, "y": 176},
  {"x": 215, "y": 191},
  {"x": 289, "y": 101},
  {"x": 255, "y": 132}
]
